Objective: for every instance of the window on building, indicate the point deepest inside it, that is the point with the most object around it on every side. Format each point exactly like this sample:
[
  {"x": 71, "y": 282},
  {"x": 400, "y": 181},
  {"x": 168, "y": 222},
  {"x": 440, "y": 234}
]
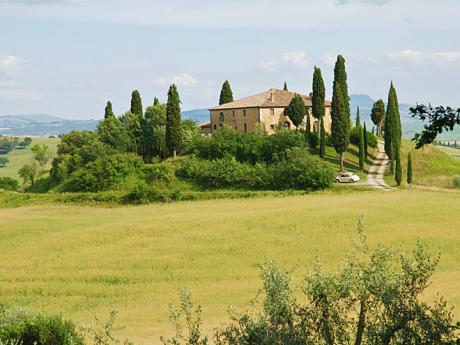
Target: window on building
[
  {"x": 233, "y": 112},
  {"x": 215, "y": 126},
  {"x": 221, "y": 116},
  {"x": 244, "y": 112},
  {"x": 245, "y": 128},
  {"x": 287, "y": 125},
  {"x": 272, "y": 127},
  {"x": 272, "y": 112},
  {"x": 285, "y": 112}
]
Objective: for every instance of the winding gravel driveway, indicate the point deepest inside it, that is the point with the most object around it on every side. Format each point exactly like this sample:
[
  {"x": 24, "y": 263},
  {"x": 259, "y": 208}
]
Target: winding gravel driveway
[{"x": 377, "y": 170}]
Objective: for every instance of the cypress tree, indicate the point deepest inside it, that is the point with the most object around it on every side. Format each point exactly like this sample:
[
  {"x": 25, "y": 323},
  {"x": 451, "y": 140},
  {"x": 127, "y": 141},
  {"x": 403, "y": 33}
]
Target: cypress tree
[
  {"x": 366, "y": 143},
  {"x": 226, "y": 94},
  {"x": 340, "y": 110},
  {"x": 156, "y": 102},
  {"x": 409, "y": 169},
  {"x": 285, "y": 88},
  {"x": 322, "y": 142},
  {"x": 392, "y": 124},
  {"x": 361, "y": 149},
  {"x": 308, "y": 129},
  {"x": 108, "y": 110},
  {"x": 136, "y": 104},
  {"x": 296, "y": 110},
  {"x": 358, "y": 119},
  {"x": 317, "y": 101},
  {"x": 173, "y": 121},
  {"x": 378, "y": 115},
  {"x": 398, "y": 169}
]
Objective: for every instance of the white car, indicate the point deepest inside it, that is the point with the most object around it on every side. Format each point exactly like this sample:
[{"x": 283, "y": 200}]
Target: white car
[{"x": 346, "y": 177}]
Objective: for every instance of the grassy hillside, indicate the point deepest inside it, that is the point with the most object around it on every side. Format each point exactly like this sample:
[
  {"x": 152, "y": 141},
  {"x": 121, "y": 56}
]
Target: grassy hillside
[
  {"x": 18, "y": 158},
  {"x": 432, "y": 166},
  {"x": 83, "y": 261}
]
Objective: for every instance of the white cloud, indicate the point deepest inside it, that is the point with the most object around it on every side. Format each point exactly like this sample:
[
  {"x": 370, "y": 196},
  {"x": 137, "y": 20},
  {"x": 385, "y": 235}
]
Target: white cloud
[
  {"x": 183, "y": 79},
  {"x": 292, "y": 58},
  {"x": 416, "y": 57},
  {"x": 8, "y": 63},
  {"x": 39, "y": 2}
]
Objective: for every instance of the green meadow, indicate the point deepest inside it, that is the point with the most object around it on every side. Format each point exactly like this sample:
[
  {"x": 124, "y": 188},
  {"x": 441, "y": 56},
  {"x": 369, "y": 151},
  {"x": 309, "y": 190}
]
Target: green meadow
[{"x": 83, "y": 261}]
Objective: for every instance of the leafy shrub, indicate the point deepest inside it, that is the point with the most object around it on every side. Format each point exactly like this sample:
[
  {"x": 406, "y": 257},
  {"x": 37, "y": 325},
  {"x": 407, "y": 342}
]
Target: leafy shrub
[
  {"x": 302, "y": 171},
  {"x": 8, "y": 183},
  {"x": 105, "y": 173},
  {"x": 27, "y": 327},
  {"x": 355, "y": 137},
  {"x": 144, "y": 194},
  {"x": 160, "y": 172},
  {"x": 456, "y": 181}
]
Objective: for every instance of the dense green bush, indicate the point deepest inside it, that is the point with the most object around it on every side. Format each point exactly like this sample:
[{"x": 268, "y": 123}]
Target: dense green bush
[
  {"x": 27, "y": 327},
  {"x": 8, "y": 183},
  {"x": 300, "y": 170},
  {"x": 456, "y": 181},
  {"x": 159, "y": 172},
  {"x": 144, "y": 194},
  {"x": 106, "y": 172}
]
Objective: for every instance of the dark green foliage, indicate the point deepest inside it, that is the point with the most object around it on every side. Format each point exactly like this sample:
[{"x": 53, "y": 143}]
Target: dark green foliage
[
  {"x": 155, "y": 101},
  {"x": 358, "y": 118},
  {"x": 75, "y": 150},
  {"x": 21, "y": 326},
  {"x": 8, "y": 183},
  {"x": 106, "y": 172},
  {"x": 366, "y": 141},
  {"x": 3, "y": 162},
  {"x": 155, "y": 131},
  {"x": 308, "y": 129},
  {"x": 393, "y": 130},
  {"x": 285, "y": 88},
  {"x": 132, "y": 125},
  {"x": 159, "y": 173},
  {"x": 108, "y": 111},
  {"x": 340, "y": 126},
  {"x": 136, "y": 104},
  {"x": 378, "y": 115},
  {"x": 355, "y": 138},
  {"x": 144, "y": 193},
  {"x": 226, "y": 94},
  {"x": 173, "y": 121},
  {"x": 191, "y": 132},
  {"x": 322, "y": 141},
  {"x": 111, "y": 131},
  {"x": 398, "y": 169},
  {"x": 319, "y": 94},
  {"x": 456, "y": 181},
  {"x": 296, "y": 110},
  {"x": 409, "y": 169},
  {"x": 361, "y": 148},
  {"x": 439, "y": 119}
]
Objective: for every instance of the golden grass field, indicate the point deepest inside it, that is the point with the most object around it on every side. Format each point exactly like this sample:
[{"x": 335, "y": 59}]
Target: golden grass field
[{"x": 85, "y": 261}]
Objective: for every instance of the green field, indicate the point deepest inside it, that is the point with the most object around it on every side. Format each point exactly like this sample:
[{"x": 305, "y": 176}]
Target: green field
[
  {"x": 82, "y": 261},
  {"x": 18, "y": 158}
]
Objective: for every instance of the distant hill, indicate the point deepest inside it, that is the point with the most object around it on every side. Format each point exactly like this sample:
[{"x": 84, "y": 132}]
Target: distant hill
[
  {"x": 42, "y": 125},
  {"x": 410, "y": 125},
  {"x": 199, "y": 115}
]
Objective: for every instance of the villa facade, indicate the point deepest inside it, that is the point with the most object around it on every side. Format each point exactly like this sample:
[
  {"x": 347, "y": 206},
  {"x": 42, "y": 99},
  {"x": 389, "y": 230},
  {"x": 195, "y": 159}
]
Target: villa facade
[{"x": 264, "y": 113}]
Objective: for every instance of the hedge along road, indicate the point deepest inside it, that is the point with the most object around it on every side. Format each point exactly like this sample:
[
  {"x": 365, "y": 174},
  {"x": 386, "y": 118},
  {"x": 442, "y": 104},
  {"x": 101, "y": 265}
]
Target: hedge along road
[{"x": 375, "y": 178}]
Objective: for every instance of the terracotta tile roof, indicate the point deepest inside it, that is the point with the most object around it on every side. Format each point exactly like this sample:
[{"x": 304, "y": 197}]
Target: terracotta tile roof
[{"x": 273, "y": 98}]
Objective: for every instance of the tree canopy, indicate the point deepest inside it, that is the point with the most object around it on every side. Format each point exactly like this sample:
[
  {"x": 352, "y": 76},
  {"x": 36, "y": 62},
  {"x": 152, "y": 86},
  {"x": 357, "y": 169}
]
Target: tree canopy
[
  {"x": 226, "y": 94},
  {"x": 296, "y": 110},
  {"x": 173, "y": 120},
  {"x": 378, "y": 115}
]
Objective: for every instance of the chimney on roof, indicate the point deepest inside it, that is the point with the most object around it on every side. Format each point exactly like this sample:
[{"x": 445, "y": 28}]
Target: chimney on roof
[{"x": 272, "y": 95}]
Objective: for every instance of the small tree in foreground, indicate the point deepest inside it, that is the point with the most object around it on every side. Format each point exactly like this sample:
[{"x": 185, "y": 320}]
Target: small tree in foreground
[
  {"x": 398, "y": 169},
  {"x": 361, "y": 149},
  {"x": 409, "y": 169},
  {"x": 173, "y": 121},
  {"x": 3, "y": 162},
  {"x": 374, "y": 299}
]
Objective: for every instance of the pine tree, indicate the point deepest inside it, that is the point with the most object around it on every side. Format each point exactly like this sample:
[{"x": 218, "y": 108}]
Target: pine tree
[
  {"x": 226, "y": 94},
  {"x": 398, "y": 169},
  {"x": 108, "y": 111},
  {"x": 322, "y": 142},
  {"x": 361, "y": 149},
  {"x": 378, "y": 115},
  {"x": 285, "y": 88},
  {"x": 392, "y": 124},
  {"x": 366, "y": 143},
  {"x": 173, "y": 121},
  {"x": 296, "y": 110},
  {"x": 340, "y": 110},
  {"x": 409, "y": 169},
  {"x": 358, "y": 119},
  {"x": 156, "y": 102},
  {"x": 319, "y": 94},
  {"x": 136, "y": 104}
]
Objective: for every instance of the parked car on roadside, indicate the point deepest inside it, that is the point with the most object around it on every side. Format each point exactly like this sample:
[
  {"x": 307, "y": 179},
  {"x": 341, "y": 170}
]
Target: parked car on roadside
[{"x": 347, "y": 177}]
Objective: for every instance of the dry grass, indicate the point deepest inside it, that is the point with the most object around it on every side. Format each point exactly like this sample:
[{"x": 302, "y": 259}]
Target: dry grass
[{"x": 83, "y": 261}]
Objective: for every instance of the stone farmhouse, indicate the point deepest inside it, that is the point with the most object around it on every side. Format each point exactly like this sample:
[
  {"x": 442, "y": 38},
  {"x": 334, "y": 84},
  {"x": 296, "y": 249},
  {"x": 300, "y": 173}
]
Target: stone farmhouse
[{"x": 262, "y": 113}]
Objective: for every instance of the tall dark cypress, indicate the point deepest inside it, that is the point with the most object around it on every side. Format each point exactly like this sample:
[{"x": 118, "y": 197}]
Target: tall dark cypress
[
  {"x": 226, "y": 94},
  {"x": 392, "y": 124},
  {"x": 398, "y": 169},
  {"x": 308, "y": 129},
  {"x": 173, "y": 121},
  {"x": 322, "y": 140},
  {"x": 366, "y": 142},
  {"x": 136, "y": 104},
  {"x": 285, "y": 88},
  {"x": 340, "y": 111},
  {"x": 409, "y": 169},
  {"x": 317, "y": 100},
  {"x": 156, "y": 101},
  {"x": 361, "y": 148},
  {"x": 108, "y": 110},
  {"x": 358, "y": 119}
]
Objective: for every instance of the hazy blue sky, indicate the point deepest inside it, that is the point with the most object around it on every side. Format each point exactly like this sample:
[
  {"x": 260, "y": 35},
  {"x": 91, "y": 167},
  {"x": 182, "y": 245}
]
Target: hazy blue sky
[{"x": 68, "y": 57}]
